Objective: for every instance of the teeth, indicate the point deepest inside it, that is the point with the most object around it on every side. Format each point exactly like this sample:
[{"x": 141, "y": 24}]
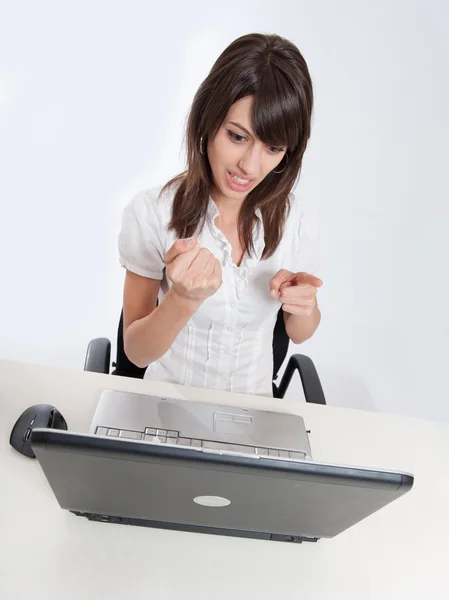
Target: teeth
[{"x": 240, "y": 181}]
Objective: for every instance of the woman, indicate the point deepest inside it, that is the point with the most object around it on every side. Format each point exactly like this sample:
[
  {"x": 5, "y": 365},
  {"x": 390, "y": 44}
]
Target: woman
[{"x": 224, "y": 245}]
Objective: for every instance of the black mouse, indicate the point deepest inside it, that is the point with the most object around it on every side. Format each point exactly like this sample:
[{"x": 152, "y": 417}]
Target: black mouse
[{"x": 39, "y": 415}]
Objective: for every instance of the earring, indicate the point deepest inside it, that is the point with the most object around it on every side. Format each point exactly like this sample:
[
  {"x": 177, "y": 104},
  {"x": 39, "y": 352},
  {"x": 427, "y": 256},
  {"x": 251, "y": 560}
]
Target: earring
[
  {"x": 202, "y": 151},
  {"x": 282, "y": 170}
]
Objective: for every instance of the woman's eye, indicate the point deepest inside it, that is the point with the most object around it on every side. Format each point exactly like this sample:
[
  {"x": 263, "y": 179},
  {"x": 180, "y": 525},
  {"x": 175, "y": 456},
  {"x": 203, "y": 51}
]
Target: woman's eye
[
  {"x": 277, "y": 149},
  {"x": 235, "y": 136}
]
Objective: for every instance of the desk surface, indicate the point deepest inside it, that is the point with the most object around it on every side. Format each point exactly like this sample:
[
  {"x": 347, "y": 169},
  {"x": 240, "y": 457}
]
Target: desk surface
[{"x": 45, "y": 552}]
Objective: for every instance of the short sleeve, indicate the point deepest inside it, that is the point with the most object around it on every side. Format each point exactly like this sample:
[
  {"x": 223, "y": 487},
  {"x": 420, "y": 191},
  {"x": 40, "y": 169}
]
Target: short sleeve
[
  {"x": 140, "y": 242},
  {"x": 306, "y": 256}
]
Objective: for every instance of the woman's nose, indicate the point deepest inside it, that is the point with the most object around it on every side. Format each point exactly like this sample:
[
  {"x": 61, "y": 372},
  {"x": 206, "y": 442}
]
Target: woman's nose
[{"x": 250, "y": 162}]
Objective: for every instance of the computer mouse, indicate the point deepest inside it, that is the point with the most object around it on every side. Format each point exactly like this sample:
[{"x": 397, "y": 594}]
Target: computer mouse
[{"x": 39, "y": 415}]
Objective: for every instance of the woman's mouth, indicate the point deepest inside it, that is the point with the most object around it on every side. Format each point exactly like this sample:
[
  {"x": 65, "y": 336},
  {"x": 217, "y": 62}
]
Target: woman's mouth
[{"x": 237, "y": 183}]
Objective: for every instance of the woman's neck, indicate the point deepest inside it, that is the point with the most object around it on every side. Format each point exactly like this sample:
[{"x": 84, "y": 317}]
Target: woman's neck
[{"x": 229, "y": 208}]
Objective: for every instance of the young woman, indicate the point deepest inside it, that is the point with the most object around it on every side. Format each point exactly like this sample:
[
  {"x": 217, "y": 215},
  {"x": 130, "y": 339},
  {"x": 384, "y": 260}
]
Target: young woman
[{"x": 212, "y": 256}]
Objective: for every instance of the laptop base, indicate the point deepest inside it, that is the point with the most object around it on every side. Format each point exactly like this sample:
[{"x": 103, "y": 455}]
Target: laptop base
[{"x": 276, "y": 537}]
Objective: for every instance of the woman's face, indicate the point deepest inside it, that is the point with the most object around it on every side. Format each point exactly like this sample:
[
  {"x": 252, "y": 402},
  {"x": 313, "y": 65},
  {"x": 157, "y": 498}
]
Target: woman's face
[{"x": 239, "y": 161}]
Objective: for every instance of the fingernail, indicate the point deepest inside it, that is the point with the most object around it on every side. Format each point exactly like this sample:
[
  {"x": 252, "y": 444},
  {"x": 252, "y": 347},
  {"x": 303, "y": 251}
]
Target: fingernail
[
  {"x": 273, "y": 293},
  {"x": 189, "y": 241}
]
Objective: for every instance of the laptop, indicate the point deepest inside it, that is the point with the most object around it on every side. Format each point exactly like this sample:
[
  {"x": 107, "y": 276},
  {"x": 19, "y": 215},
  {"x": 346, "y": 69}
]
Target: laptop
[{"x": 199, "y": 467}]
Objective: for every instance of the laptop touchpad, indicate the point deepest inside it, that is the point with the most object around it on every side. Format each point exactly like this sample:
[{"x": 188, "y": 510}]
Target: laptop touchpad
[{"x": 231, "y": 424}]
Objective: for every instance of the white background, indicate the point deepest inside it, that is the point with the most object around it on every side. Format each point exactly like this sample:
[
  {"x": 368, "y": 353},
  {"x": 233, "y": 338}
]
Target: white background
[{"x": 93, "y": 100}]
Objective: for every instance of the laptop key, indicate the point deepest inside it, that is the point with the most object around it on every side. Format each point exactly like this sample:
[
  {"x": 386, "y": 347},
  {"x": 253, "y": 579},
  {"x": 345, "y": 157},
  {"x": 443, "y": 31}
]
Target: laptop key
[
  {"x": 102, "y": 431},
  {"x": 184, "y": 441},
  {"x": 113, "y": 432},
  {"x": 262, "y": 451},
  {"x": 297, "y": 455},
  {"x": 228, "y": 447},
  {"x": 150, "y": 431},
  {"x": 196, "y": 443},
  {"x": 130, "y": 435}
]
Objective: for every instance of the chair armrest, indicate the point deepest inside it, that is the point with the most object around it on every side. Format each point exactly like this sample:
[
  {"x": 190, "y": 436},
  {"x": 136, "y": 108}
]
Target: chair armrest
[
  {"x": 311, "y": 383},
  {"x": 98, "y": 356}
]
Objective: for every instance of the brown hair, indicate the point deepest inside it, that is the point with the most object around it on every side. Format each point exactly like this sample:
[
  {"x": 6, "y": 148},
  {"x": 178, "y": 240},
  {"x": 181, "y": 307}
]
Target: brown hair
[{"x": 273, "y": 71}]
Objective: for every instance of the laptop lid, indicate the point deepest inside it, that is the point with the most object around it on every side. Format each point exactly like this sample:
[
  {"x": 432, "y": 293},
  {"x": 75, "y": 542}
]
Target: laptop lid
[{"x": 134, "y": 482}]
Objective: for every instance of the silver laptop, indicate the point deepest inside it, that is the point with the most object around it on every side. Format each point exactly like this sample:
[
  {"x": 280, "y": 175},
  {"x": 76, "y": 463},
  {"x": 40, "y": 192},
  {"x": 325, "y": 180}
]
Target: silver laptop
[
  {"x": 208, "y": 428},
  {"x": 197, "y": 467}
]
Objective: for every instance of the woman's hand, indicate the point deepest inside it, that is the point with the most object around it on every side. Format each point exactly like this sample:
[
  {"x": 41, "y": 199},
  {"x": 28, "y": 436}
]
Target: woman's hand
[
  {"x": 194, "y": 271},
  {"x": 297, "y": 291}
]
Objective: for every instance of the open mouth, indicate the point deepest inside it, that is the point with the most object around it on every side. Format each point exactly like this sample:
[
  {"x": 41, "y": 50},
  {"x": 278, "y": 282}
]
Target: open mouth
[
  {"x": 240, "y": 180},
  {"x": 238, "y": 183}
]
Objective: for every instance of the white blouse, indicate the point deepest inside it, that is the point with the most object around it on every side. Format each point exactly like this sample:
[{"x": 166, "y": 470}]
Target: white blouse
[{"x": 227, "y": 344}]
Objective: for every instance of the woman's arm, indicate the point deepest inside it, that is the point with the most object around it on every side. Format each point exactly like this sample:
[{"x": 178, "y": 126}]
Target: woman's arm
[
  {"x": 300, "y": 328},
  {"x": 149, "y": 331}
]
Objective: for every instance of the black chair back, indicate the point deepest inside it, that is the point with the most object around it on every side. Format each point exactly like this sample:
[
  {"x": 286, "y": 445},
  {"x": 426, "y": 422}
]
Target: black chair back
[
  {"x": 123, "y": 366},
  {"x": 281, "y": 342}
]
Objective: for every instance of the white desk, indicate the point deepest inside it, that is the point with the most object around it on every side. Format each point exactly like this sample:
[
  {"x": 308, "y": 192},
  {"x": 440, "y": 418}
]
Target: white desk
[{"x": 400, "y": 552}]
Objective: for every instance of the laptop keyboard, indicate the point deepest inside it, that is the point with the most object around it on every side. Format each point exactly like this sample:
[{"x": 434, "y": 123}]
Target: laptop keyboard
[{"x": 165, "y": 436}]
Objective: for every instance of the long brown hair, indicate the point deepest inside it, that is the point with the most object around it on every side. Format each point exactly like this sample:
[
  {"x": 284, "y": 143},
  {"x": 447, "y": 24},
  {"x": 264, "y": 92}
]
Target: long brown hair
[{"x": 273, "y": 71}]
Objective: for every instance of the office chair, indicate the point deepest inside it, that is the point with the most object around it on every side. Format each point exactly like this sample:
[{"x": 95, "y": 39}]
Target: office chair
[{"x": 98, "y": 358}]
